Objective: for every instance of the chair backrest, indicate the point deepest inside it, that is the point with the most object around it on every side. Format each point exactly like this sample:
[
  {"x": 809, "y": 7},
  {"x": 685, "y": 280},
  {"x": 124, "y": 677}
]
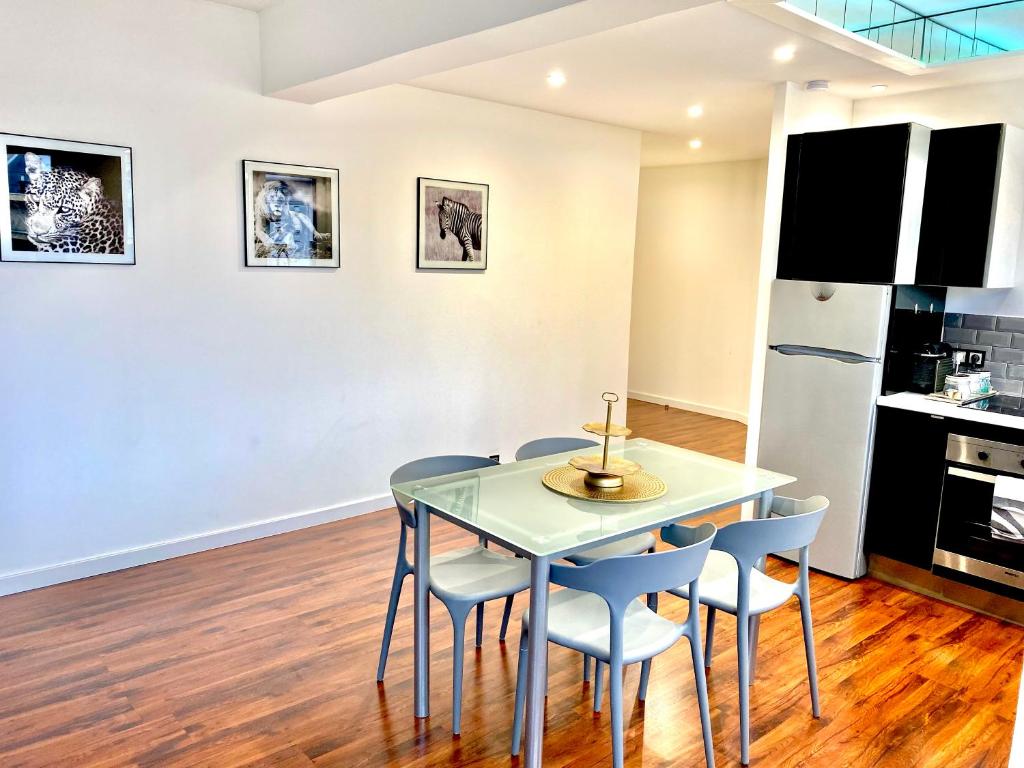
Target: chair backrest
[
  {"x": 546, "y": 446},
  {"x": 793, "y": 525},
  {"x": 432, "y": 466},
  {"x": 622, "y": 579}
]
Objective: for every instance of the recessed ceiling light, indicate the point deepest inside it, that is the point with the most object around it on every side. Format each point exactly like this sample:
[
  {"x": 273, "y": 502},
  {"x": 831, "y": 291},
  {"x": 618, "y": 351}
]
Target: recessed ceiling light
[
  {"x": 556, "y": 78},
  {"x": 784, "y": 52},
  {"x": 696, "y": 143},
  {"x": 880, "y": 88},
  {"x": 695, "y": 110}
]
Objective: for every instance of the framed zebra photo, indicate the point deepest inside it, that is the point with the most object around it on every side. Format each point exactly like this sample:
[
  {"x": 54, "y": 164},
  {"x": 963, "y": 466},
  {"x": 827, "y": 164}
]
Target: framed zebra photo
[
  {"x": 291, "y": 215},
  {"x": 452, "y": 232},
  {"x": 67, "y": 202}
]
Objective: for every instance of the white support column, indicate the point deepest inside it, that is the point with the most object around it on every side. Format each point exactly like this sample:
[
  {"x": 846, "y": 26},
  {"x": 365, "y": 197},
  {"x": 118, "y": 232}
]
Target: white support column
[{"x": 795, "y": 111}]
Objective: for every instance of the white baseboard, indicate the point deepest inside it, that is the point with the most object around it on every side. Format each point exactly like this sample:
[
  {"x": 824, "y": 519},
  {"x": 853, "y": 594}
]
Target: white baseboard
[
  {"x": 686, "y": 405},
  {"x": 21, "y": 581}
]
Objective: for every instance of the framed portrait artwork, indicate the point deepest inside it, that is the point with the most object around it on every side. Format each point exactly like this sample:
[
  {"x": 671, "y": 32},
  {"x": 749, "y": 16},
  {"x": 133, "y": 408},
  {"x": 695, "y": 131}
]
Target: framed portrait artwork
[
  {"x": 291, "y": 215},
  {"x": 66, "y": 202},
  {"x": 452, "y": 231}
]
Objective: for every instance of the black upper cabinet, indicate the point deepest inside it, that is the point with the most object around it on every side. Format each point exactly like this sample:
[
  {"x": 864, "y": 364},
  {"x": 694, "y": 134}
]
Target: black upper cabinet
[
  {"x": 846, "y": 201},
  {"x": 959, "y": 196}
]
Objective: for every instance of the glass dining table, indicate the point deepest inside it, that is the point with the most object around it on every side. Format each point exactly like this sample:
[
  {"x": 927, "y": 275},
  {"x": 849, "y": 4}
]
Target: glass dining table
[{"x": 508, "y": 504}]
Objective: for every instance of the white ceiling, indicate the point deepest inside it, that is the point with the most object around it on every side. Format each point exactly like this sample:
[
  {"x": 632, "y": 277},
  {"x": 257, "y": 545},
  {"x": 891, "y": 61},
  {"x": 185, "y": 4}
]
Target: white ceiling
[
  {"x": 250, "y": 5},
  {"x": 645, "y": 75}
]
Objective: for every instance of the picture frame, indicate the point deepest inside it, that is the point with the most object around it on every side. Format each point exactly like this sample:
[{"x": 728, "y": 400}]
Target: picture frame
[
  {"x": 292, "y": 215},
  {"x": 66, "y": 202},
  {"x": 452, "y": 224}
]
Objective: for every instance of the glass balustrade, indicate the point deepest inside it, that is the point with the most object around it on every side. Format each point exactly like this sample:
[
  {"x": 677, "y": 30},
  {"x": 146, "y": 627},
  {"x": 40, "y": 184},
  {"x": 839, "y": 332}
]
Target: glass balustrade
[{"x": 936, "y": 38}]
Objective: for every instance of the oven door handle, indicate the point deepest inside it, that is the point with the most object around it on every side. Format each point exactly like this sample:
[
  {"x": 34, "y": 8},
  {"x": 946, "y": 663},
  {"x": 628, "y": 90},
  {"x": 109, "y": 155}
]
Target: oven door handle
[{"x": 970, "y": 474}]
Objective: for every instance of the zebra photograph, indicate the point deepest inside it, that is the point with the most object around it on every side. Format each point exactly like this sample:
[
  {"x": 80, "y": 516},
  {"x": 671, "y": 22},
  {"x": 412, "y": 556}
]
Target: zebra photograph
[{"x": 452, "y": 225}]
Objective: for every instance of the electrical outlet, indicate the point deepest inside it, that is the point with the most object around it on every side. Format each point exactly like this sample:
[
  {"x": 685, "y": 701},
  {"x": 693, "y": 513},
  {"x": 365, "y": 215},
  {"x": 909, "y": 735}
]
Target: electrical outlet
[
  {"x": 495, "y": 457},
  {"x": 975, "y": 359}
]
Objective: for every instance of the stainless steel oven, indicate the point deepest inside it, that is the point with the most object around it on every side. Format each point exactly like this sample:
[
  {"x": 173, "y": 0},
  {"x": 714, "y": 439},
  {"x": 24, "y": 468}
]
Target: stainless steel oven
[{"x": 981, "y": 516}]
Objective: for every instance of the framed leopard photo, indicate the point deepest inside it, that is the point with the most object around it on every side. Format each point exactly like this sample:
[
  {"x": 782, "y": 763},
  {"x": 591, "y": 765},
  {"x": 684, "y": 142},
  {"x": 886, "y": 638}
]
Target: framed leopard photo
[
  {"x": 452, "y": 231},
  {"x": 68, "y": 202}
]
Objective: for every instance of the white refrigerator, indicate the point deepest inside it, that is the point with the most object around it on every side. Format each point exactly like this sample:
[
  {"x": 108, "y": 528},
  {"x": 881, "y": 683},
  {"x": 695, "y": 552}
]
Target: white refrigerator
[{"x": 826, "y": 344}]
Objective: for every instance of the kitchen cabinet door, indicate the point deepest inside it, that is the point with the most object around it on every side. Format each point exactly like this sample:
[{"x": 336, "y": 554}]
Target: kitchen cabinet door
[
  {"x": 906, "y": 486},
  {"x": 957, "y": 216},
  {"x": 850, "y": 204}
]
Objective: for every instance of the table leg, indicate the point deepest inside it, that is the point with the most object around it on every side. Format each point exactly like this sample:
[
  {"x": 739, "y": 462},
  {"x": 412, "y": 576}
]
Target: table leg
[
  {"x": 421, "y": 611},
  {"x": 537, "y": 672},
  {"x": 764, "y": 508}
]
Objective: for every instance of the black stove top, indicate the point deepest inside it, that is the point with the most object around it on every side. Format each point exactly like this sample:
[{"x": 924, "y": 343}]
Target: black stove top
[{"x": 1008, "y": 404}]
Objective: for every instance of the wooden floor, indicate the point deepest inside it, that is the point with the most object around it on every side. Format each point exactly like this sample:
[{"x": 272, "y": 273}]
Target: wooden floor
[{"x": 263, "y": 654}]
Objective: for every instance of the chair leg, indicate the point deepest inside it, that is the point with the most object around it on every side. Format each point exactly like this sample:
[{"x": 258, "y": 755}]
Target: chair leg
[
  {"x": 458, "y": 653},
  {"x": 389, "y": 623},
  {"x": 615, "y": 694},
  {"x": 652, "y": 597},
  {"x": 743, "y": 652},
  {"x": 586, "y": 668},
  {"x": 479, "y": 624},
  {"x": 754, "y": 627},
  {"x": 812, "y": 665},
  {"x": 702, "y": 698},
  {"x": 505, "y": 617},
  {"x": 645, "y": 677},
  {"x": 517, "y": 718},
  {"x": 547, "y": 665},
  {"x": 709, "y": 637},
  {"x": 598, "y": 684}
]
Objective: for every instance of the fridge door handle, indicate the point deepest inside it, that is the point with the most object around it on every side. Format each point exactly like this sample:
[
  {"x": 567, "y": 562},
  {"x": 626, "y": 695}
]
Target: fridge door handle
[{"x": 839, "y": 355}]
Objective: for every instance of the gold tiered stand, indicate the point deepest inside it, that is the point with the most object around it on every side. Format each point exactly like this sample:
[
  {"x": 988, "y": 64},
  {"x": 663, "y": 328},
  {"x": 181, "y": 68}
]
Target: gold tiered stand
[
  {"x": 602, "y": 472},
  {"x": 603, "y": 477}
]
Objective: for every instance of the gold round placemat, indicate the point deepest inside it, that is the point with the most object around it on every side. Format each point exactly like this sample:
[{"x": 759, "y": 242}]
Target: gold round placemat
[{"x": 639, "y": 486}]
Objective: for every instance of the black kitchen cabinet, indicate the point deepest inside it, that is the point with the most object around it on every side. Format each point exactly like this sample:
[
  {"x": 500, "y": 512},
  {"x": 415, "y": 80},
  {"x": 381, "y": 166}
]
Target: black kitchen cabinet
[
  {"x": 906, "y": 485},
  {"x": 957, "y": 215},
  {"x": 850, "y": 201}
]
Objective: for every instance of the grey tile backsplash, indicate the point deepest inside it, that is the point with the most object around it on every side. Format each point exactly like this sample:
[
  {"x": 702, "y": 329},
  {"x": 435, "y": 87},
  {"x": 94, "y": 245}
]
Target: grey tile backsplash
[
  {"x": 978, "y": 322},
  {"x": 1000, "y": 338}
]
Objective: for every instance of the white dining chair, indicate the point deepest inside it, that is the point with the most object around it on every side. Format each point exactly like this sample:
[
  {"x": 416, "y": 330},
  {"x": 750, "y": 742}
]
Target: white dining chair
[
  {"x": 730, "y": 582},
  {"x": 599, "y": 614},
  {"x": 633, "y": 545},
  {"x": 461, "y": 579}
]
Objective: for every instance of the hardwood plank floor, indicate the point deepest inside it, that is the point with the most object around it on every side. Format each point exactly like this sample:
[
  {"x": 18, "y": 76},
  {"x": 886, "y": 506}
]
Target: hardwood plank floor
[{"x": 263, "y": 654}]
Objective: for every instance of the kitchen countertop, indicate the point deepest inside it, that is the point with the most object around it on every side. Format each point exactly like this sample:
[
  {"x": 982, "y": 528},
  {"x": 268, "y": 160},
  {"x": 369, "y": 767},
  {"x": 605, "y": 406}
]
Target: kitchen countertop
[{"x": 913, "y": 401}]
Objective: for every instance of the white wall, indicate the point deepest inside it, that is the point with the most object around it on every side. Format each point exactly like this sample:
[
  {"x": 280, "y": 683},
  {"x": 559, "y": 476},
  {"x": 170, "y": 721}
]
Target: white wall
[
  {"x": 142, "y": 408},
  {"x": 948, "y": 107},
  {"x": 1017, "y": 746},
  {"x": 698, "y": 246}
]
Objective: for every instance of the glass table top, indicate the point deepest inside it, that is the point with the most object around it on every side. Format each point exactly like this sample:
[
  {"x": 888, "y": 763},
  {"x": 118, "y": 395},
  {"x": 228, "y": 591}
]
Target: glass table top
[{"x": 509, "y": 504}]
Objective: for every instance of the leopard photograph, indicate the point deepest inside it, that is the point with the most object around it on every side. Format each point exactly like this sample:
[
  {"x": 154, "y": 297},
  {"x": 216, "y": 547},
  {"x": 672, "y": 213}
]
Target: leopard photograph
[{"x": 65, "y": 202}]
